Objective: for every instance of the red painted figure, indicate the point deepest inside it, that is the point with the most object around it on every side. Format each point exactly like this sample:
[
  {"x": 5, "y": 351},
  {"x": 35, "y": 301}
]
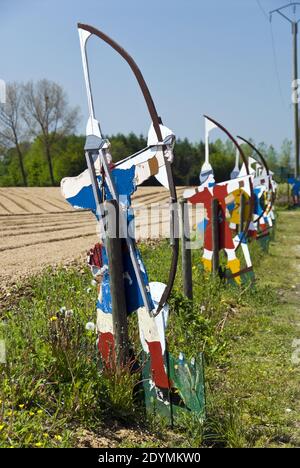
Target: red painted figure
[
  {"x": 206, "y": 196},
  {"x": 205, "y": 193}
]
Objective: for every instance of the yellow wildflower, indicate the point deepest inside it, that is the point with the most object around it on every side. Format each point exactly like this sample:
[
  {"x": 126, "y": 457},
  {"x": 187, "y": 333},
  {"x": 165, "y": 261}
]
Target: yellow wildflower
[
  {"x": 31, "y": 413},
  {"x": 39, "y": 411},
  {"x": 38, "y": 444},
  {"x": 1, "y": 427},
  {"x": 57, "y": 437},
  {"x": 45, "y": 435},
  {"x": 53, "y": 318},
  {"x": 21, "y": 406}
]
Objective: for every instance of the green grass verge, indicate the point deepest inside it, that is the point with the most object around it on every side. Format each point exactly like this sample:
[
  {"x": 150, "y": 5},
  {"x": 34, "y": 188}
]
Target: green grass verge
[{"x": 52, "y": 389}]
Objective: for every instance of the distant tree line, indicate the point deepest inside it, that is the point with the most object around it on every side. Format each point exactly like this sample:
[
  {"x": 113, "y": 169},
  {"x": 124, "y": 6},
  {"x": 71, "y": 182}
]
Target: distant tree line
[{"x": 38, "y": 144}]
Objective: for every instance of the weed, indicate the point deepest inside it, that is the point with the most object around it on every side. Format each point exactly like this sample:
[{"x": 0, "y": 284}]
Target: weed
[{"x": 52, "y": 385}]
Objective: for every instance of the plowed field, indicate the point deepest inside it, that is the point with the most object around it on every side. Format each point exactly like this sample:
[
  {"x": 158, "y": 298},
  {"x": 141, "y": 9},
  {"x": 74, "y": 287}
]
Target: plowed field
[{"x": 39, "y": 228}]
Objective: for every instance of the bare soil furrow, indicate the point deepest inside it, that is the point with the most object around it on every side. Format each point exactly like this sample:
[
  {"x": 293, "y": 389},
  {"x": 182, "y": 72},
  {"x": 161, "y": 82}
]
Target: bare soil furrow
[
  {"x": 13, "y": 216},
  {"x": 30, "y": 239},
  {"x": 26, "y": 261},
  {"x": 5, "y": 209},
  {"x": 42, "y": 206},
  {"x": 38, "y": 228},
  {"x": 21, "y": 233},
  {"x": 27, "y": 203},
  {"x": 5, "y": 226},
  {"x": 47, "y": 241},
  {"x": 12, "y": 205},
  {"x": 23, "y": 228}
]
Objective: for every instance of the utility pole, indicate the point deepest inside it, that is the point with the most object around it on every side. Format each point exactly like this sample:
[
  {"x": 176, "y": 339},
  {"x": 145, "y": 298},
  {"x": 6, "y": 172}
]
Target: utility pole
[{"x": 295, "y": 84}]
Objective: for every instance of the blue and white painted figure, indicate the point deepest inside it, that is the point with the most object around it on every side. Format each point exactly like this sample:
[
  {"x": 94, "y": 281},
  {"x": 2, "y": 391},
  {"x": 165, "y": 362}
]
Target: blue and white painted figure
[
  {"x": 127, "y": 175},
  {"x": 295, "y": 183},
  {"x": 124, "y": 180},
  {"x": 262, "y": 215}
]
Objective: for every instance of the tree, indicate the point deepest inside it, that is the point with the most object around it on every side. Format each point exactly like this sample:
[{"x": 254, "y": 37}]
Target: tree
[
  {"x": 272, "y": 158},
  {"x": 12, "y": 130},
  {"x": 182, "y": 161},
  {"x": 286, "y": 155},
  {"x": 48, "y": 116}
]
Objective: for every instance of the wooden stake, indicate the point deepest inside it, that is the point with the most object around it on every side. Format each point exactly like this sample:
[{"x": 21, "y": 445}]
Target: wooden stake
[
  {"x": 117, "y": 289},
  {"x": 186, "y": 255},
  {"x": 215, "y": 235},
  {"x": 242, "y": 213}
]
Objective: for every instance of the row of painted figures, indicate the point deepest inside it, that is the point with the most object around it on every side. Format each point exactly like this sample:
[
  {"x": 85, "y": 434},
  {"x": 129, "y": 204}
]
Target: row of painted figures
[{"x": 169, "y": 381}]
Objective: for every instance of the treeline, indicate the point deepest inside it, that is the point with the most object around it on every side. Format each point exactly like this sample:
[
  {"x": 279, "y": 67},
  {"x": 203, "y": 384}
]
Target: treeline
[
  {"x": 68, "y": 159},
  {"x": 38, "y": 144}
]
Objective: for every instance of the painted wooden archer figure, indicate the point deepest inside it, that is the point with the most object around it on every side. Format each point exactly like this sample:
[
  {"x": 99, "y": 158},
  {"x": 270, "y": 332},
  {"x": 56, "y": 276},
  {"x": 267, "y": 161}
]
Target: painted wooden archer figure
[
  {"x": 205, "y": 193},
  {"x": 79, "y": 193},
  {"x": 225, "y": 193},
  {"x": 264, "y": 188},
  {"x": 167, "y": 381},
  {"x": 104, "y": 180}
]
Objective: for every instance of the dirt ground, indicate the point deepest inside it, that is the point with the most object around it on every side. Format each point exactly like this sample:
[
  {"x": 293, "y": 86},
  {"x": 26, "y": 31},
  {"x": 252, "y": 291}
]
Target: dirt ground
[{"x": 39, "y": 228}]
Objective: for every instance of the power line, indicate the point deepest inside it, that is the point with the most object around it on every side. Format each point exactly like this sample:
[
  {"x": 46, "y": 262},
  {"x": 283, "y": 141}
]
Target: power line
[
  {"x": 294, "y": 23},
  {"x": 262, "y": 9},
  {"x": 275, "y": 61}
]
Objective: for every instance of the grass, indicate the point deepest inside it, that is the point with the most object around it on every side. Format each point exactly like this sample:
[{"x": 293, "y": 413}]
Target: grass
[{"x": 52, "y": 389}]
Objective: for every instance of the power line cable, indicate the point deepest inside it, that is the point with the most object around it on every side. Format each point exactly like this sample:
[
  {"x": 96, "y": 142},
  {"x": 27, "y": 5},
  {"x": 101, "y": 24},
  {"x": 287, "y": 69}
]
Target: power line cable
[
  {"x": 262, "y": 9},
  {"x": 275, "y": 61}
]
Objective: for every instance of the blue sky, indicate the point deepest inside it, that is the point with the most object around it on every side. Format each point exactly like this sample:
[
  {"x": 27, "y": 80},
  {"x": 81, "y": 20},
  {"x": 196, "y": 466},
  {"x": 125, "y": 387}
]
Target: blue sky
[{"x": 197, "y": 56}]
